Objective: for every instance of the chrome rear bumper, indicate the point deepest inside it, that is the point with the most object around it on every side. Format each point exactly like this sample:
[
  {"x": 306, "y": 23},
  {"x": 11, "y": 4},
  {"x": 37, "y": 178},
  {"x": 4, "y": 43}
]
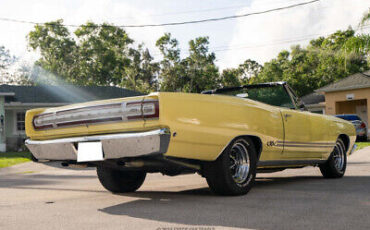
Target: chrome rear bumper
[{"x": 114, "y": 145}]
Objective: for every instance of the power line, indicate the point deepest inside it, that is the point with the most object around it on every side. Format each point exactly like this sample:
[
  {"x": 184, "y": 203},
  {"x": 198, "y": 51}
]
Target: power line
[
  {"x": 208, "y": 10},
  {"x": 241, "y": 46},
  {"x": 282, "y": 41},
  {"x": 172, "y": 23},
  {"x": 217, "y": 48},
  {"x": 198, "y": 10},
  {"x": 278, "y": 42}
]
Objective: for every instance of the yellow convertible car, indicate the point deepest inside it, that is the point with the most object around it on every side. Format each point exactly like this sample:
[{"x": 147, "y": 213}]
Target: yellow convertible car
[{"x": 226, "y": 135}]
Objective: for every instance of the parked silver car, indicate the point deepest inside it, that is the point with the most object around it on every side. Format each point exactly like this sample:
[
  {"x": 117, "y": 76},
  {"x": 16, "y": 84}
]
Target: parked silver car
[{"x": 361, "y": 128}]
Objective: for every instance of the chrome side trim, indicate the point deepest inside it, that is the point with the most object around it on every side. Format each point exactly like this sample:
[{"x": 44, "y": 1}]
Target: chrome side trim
[
  {"x": 305, "y": 144},
  {"x": 289, "y": 162}
]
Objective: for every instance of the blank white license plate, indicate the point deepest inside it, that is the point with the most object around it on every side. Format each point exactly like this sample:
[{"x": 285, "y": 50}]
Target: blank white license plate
[{"x": 89, "y": 151}]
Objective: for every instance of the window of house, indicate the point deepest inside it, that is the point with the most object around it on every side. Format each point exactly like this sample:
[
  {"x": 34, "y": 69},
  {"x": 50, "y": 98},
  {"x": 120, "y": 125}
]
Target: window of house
[{"x": 20, "y": 121}]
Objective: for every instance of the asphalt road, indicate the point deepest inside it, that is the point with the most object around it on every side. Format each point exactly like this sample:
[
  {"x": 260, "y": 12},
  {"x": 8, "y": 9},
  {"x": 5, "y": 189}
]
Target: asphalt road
[{"x": 39, "y": 196}]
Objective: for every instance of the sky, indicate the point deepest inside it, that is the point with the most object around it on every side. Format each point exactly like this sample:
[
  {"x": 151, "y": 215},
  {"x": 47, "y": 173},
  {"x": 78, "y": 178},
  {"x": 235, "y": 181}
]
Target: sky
[{"x": 259, "y": 37}]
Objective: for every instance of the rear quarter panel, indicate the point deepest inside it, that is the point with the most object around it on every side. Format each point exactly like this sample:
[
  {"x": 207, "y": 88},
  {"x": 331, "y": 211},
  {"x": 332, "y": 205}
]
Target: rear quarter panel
[
  {"x": 202, "y": 125},
  {"x": 339, "y": 127}
]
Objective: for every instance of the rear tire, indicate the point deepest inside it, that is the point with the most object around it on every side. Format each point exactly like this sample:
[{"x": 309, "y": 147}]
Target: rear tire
[
  {"x": 118, "y": 181},
  {"x": 33, "y": 158},
  {"x": 335, "y": 166},
  {"x": 234, "y": 172}
]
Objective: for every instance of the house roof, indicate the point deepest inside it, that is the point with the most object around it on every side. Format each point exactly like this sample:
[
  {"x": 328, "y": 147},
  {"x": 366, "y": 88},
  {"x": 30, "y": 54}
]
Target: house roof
[
  {"x": 355, "y": 81},
  {"x": 62, "y": 94},
  {"x": 313, "y": 98}
]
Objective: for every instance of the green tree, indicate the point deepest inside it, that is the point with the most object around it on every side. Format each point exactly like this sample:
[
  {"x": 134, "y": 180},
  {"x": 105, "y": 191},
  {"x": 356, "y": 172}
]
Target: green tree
[
  {"x": 324, "y": 61},
  {"x": 6, "y": 59},
  {"x": 93, "y": 55},
  {"x": 59, "y": 52},
  {"x": 142, "y": 73},
  {"x": 246, "y": 73},
  {"x": 191, "y": 74},
  {"x": 248, "y": 70},
  {"x": 11, "y": 70},
  {"x": 172, "y": 68},
  {"x": 104, "y": 54},
  {"x": 230, "y": 77},
  {"x": 201, "y": 71}
]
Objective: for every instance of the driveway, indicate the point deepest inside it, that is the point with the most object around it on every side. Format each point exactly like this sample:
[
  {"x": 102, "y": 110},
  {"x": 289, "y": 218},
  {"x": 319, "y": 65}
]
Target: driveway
[{"x": 44, "y": 196}]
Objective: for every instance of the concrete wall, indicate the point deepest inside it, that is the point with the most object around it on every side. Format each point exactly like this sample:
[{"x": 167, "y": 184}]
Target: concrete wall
[{"x": 338, "y": 102}]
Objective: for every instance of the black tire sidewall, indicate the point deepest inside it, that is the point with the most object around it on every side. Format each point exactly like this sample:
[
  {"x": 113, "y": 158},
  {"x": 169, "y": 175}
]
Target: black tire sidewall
[
  {"x": 329, "y": 170},
  {"x": 332, "y": 162},
  {"x": 219, "y": 176},
  {"x": 118, "y": 181},
  {"x": 252, "y": 171}
]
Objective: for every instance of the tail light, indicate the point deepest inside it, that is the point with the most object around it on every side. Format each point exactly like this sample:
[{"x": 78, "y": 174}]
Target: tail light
[
  {"x": 126, "y": 111},
  {"x": 144, "y": 109},
  {"x": 363, "y": 125}
]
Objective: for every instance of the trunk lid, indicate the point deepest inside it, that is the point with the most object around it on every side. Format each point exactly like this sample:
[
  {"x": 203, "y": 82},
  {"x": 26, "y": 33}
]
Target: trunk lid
[{"x": 91, "y": 118}]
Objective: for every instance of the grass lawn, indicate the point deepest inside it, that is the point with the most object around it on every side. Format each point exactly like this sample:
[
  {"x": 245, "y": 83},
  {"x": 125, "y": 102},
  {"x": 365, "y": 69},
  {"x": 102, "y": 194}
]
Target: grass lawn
[
  {"x": 12, "y": 158},
  {"x": 361, "y": 145}
]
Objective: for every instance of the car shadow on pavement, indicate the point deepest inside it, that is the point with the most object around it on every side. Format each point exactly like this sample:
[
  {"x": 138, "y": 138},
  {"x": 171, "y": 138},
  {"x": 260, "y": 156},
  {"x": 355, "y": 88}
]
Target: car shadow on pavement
[{"x": 300, "y": 201}]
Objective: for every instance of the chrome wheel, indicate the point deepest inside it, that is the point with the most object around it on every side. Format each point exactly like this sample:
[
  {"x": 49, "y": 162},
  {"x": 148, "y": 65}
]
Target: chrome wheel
[
  {"x": 239, "y": 163},
  {"x": 338, "y": 156},
  {"x": 234, "y": 171},
  {"x": 335, "y": 166}
]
